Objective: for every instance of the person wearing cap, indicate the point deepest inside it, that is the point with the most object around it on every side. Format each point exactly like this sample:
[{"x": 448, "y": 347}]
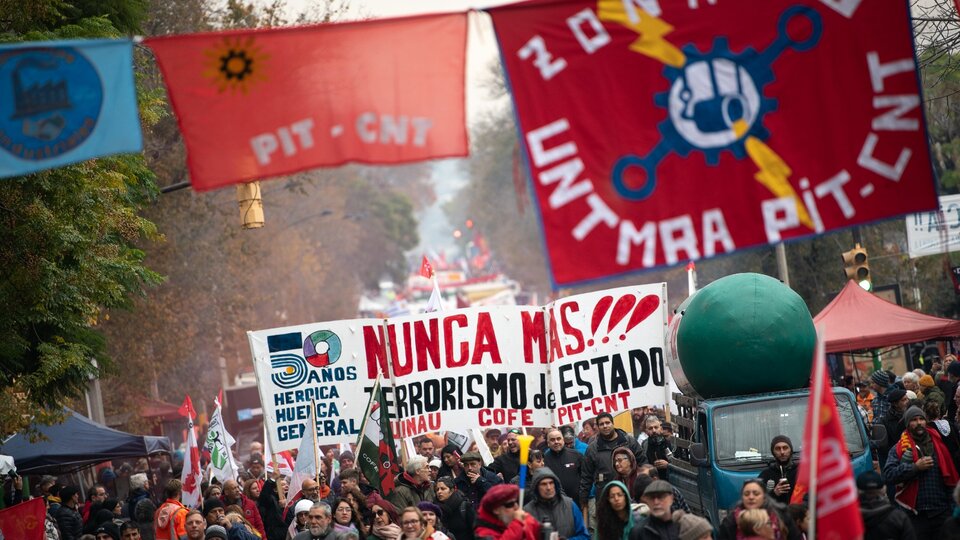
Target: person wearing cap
[
  {"x": 598, "y": 460},
  {"x": 661, "y": 522},
  {"x": 880, "y": 518},
  {"x": 215, "y": 532},
  {"x": 413, "y": 484},
  {"x": 475, "y": 480},
  {"x": 501, "y": 518},
  {"x": 781, "y": 475},
  {"x": 565, "y": 462},
  {"x": 106, "y": 531},
  {"x": 434, "y": 469},
  {"x": 300, "y": 513},
  {"x": 549, "y": 503},
  {"x": 929, "y": 392},
  {"x": 921, "y": 464},
  {"x": 255, "y": 467},
  {"x": 68, "y": 515},
  {"x": 880, "y": 383},
  {"x": 213, "y": 511},
  {"x": 694, "y": 528}
]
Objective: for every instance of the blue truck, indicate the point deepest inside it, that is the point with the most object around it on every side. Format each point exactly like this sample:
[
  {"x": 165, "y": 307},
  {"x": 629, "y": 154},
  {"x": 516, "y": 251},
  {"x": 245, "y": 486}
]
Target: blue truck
[{"x": 722, "y": 442}]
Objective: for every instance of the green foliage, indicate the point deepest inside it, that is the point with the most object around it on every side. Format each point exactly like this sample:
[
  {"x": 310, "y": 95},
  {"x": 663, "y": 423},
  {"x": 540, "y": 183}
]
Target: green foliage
[{"x": 69, "y": 239}]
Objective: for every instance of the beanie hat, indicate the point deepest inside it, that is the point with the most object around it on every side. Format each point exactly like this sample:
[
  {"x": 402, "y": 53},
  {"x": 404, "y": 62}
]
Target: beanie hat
[
  {"x": 896, "y": 395},
  {"x": 693, "y": 527},
  {"x": 954, "y": 369},
  {"x": 869, "y": 480},
  {"x": 211, "y": 504},
  {"x": 913, "y": 412},
  {"x": 109, "y": 528},
  {"x": 926, "y": 381},
  {"x": 427, "y": 506},
  {"x": 303, "y": 505},
  {"x": 215, "y": 531},
  {"x": 780, "y": 439},
  {"x": 497, "y": 495},
  {"x": 911, "y": 395},
  {"x": 68, "y": 492},
  {"x": 880, "y": 378}
]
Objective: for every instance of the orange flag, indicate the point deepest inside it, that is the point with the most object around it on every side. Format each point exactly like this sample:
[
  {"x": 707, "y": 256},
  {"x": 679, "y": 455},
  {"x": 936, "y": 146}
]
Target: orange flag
[{"x": 254, "y": 104}]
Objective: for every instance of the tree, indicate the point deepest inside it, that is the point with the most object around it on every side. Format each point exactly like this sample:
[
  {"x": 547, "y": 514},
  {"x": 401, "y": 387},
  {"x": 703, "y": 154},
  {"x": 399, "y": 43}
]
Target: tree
[{"x": 69, "y": 246}]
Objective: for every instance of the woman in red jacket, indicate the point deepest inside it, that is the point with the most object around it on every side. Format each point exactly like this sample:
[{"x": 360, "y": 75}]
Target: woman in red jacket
[{"x": 501, "y": 518}]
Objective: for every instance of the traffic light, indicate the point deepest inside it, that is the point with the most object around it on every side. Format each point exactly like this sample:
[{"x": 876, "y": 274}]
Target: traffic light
[{"x": 857, "y": 267}]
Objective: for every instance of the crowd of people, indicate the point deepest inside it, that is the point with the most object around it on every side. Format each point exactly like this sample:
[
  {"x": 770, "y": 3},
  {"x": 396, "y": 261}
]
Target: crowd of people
[{"x": 601, "y": 483}]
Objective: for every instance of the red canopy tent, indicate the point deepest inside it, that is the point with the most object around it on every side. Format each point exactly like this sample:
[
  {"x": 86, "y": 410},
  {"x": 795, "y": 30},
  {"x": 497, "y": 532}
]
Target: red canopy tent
[{"x": 857, "y": 319}]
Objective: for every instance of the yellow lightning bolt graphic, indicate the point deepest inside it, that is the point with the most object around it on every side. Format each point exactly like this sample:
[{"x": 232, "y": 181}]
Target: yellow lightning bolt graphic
[
  {"x": 650, "y": 29},
  {"x": 774, "y": 173}
]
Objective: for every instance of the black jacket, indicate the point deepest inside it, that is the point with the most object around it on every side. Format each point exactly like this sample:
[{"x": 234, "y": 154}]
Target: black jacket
[
  {"x": 459, "y": 516},
  {"x": 773, "y": 473},
  {"x": 475, "y": 491},
  {"x": 598, "y": 465},
  {"x": 567, "y": 465},
  {"x": 70, "y": 523},
  {"x": 507, "y": 464},
  {"x": 881, "y": 521},
  {"x": 270, "y": 510}
]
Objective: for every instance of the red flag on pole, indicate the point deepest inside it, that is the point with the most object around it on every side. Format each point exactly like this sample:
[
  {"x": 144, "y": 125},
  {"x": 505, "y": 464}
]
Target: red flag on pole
[
  {"x": 192, "y": 473},
  {"x": 426, "y": 269},
  {"x": 187, "y": 409},
  {"x": 255, "y": 104},
  {"x": 827, "y": 474},
  {"x": 24, "y": 521}
]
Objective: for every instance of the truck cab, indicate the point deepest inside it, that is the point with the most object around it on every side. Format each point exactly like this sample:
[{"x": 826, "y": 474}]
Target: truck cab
[{"x": 723, "y": 442}]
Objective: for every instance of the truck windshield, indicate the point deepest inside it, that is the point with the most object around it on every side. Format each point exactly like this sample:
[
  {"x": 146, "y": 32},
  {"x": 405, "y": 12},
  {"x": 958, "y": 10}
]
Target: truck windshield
[{"x": 743, "y": 432}]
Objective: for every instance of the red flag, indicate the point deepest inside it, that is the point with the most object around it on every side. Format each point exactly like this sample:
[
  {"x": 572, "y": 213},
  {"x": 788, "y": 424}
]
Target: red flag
[
  {"x": 24, "y": 521},
  {"x": 838, "y": 509},
  {"x": 259, "y": 103},
  {"x": 707, "y": 139},
  {"x": 426, "y": 269},
  {"x": 192, "y": 473},
  {"x": 187, "y": 409}
]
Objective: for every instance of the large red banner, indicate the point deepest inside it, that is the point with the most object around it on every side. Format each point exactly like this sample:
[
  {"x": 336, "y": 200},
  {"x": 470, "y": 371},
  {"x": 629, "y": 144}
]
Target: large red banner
[
  {"x": 261, "y": 103},
  {"x": 660, "y": 132}
]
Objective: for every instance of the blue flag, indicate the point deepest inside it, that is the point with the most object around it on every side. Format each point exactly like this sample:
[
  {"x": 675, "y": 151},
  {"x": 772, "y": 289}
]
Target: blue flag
[{"x": 65, "y": 101}]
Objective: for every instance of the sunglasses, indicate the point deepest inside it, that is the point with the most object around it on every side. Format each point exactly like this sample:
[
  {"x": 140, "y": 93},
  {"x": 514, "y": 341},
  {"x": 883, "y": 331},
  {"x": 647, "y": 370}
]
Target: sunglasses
[
  {"x": 514, "y": 431},
  {"x": 511, "y": 504},
  {"x": 380, "y": 512}
]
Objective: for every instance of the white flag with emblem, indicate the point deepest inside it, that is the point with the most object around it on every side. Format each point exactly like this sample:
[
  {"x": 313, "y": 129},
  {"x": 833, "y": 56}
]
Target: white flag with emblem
[{"x": 222, "y": 465}]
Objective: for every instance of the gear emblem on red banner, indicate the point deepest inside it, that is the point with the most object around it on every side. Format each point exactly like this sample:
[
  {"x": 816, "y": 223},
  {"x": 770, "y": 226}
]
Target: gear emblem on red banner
[{"x": 715, "y": 102}]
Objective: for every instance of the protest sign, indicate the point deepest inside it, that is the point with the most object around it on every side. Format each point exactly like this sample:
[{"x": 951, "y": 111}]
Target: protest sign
[
  {"x": 660, "y": 132},
  {"x": 498, "y": 366}
]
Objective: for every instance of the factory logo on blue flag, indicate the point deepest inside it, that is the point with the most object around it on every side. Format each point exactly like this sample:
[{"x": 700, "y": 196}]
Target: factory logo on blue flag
[{"x": 64, "y": 102}]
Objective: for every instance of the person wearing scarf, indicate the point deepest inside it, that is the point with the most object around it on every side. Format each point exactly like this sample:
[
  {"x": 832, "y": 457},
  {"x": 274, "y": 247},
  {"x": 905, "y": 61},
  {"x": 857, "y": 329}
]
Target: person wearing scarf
[
  {"x": 925, "y": 473},
  {"x": 626, "y": 470},
  {"x": 459, "y": 514},
  {"x": 384, "y": 518}
]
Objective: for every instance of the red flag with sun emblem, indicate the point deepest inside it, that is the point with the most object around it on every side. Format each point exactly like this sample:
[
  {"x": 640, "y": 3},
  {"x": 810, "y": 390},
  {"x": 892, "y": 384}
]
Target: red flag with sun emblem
[
  {"x": 259, "y": 103},
  {"x": 24, "y": 520}
]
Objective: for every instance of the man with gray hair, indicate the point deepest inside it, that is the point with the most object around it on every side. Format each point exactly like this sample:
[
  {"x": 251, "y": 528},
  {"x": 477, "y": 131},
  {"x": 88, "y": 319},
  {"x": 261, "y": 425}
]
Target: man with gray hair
[
  {"x": 318, "y": 524},
  {"x": 412, "y": 486}
]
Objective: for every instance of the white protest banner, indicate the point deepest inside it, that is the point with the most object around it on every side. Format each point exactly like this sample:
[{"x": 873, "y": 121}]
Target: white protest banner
[
  {"x": 323, "y": 362},
  {"x": 459, "y": 369},
  {"x": 932, "y": 233},
  {"x": 607, "y": 351},
  {"x": 494, "y": 366}
]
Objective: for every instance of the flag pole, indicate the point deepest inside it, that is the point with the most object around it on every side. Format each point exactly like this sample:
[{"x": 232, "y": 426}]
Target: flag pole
[
  {"x": 815, "y": 436},
  {"x": 393, "y": 384},
  {"x": 316, "y": 446}
]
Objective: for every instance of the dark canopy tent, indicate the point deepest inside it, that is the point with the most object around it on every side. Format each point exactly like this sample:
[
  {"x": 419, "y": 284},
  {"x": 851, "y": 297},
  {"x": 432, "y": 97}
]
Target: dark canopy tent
[
  {"x": 857, "y": 319},
  {"x": 76, "y": 443}
]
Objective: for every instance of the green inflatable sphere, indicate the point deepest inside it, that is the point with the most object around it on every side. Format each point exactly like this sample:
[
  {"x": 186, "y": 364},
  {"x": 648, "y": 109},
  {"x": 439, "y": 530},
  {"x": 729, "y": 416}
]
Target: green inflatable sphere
[{"x": 745, "y": 334}]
